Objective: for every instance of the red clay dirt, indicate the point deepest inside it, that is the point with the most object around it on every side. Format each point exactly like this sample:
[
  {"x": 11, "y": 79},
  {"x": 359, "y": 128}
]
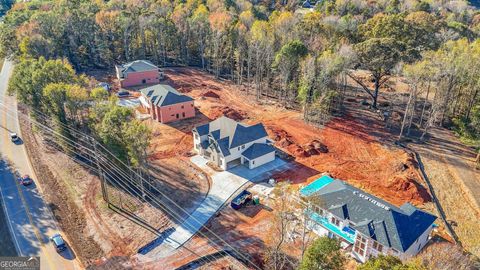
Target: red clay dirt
[
  {"x": 345, "y": 147},
  {"x": 211, "y": 94}
]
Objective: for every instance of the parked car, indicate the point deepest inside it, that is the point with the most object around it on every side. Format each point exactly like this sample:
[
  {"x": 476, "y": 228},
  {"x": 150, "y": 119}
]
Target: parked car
[
  {"x": 26, "y": 180},
  {"x": 104, "y": 85},
  {"x": 243, "y": 198},
  {"x": 123, "y": 93},
  {"x": 14, "y": 137},
  {"x": 58, "y": 242}
]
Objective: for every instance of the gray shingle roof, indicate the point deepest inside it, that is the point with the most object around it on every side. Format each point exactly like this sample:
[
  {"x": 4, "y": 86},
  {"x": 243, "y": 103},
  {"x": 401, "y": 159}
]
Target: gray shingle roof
[
  {"x": 136, "y": 66},
  {"x": 257, "y": 150},
  {"x": 164, "y": 95},
  {"x": 229, "y": 133},
  {"x": 396, "y": 227}
]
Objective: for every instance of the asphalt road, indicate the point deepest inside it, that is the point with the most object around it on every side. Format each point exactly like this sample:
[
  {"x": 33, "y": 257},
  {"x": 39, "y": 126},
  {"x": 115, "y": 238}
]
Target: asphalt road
[{"x": 30, "y": 221}]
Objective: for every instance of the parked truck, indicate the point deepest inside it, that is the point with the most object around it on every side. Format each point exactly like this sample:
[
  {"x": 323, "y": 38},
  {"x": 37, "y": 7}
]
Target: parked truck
[{"x": 241, "y": 199}]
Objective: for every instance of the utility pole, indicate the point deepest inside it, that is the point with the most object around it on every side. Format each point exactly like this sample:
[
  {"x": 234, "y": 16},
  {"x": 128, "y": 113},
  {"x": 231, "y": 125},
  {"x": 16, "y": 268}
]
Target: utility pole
[
  {"x": 100, "y": 173},
  {"x": 477, "y": 161},
  {"x": 142, "y": 186}
]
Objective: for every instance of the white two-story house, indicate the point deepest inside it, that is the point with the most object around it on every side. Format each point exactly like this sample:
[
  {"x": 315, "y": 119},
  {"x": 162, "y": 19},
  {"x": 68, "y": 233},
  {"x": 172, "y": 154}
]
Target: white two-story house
[
  {"x": 367, "y": 225},
  {"x": 228, "y": 143}
]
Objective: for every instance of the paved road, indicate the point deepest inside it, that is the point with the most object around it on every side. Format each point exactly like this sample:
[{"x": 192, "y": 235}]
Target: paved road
[
  {"x": 224, "y": 185},
  {"x": 30, "y": 221}
]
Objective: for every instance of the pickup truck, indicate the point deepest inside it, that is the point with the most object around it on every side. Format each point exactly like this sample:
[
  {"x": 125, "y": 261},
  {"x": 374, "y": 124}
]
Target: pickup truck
[{"x": 241, "y": 199}]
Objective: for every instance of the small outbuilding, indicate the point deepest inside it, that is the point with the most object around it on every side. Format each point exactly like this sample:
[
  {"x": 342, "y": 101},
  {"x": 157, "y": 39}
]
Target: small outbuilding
[
  {"x": 137, "y": 73},
  {"x": 165, "y": 104}
]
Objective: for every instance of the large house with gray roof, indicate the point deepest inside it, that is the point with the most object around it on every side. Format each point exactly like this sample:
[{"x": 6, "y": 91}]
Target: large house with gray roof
[
  {"x": 165, "y": 104},
  {"x": 228, "y": 143},
  {"x": 138, "y": 72},
  {"x": 366, "y": 225}
]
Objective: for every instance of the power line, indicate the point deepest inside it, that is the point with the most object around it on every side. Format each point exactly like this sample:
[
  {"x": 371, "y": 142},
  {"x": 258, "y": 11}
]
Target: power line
[
  {"x": 112, "y": 174},
  {"x": 201, "y": 224},
  {"x": 159, "y": 204}
]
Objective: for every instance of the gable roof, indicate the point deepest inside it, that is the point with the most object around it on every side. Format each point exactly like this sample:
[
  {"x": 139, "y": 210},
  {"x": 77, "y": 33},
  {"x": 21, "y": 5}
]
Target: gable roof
[
  {"x": 396, "y": 227},
  {"x": 136, "y": 66},
  {"x": 257, "y": 150},
  {"x": 229, "y": 133},
  {"x": 164, "y": 95}
]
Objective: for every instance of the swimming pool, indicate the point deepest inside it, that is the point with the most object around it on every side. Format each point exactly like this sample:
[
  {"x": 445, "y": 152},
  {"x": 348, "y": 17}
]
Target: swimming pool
[{"x": 316, "y": 185}]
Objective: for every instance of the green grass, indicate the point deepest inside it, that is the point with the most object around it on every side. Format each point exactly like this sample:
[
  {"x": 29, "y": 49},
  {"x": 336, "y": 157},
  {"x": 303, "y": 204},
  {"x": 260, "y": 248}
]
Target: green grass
[{"x": 470, "y": 142}]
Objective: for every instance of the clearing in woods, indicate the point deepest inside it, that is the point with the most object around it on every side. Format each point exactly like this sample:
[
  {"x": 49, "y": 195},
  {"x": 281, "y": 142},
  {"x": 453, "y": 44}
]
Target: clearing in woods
[{"x": 352, "y": 153}]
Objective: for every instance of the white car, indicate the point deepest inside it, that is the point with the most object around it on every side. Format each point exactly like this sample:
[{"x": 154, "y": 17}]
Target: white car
[{"x": 14, "y": 137}]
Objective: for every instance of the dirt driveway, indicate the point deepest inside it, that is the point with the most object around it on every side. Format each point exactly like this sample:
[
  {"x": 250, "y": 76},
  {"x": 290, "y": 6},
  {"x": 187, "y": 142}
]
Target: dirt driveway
[{"x": 450, "y": 168}]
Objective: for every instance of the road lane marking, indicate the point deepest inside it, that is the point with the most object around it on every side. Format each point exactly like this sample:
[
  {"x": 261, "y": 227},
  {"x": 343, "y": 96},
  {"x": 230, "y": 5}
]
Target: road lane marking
[
  {"x": 5, "y": 74},
  {"x": 17, "y": 245},
  {"x": 22, "y": 198}
]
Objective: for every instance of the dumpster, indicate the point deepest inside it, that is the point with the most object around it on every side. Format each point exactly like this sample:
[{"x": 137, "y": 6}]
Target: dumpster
[{"x": 241, "y": 200}]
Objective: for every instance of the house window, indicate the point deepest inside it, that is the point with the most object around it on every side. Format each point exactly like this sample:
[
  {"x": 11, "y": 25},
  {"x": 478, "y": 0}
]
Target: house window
[
  {"x": 243, "y": 146},
  {"x": 183, "y": 114},
  {"x": 360, "y": 245},
  {"x": 178, "y": 115},
  {"x": 191, "y": 105},
  {"x": 196, "y": 136},
  {"x": 377, "y": 246},
  {"x": 253, "y": 162},
  {"x": 221, "y": 162},
  {"x": 144, "y": 81},
  {"x": 335, "y": 221},
  {"x": 182, "y": 106},
  {"x": 238, "y": 148}
]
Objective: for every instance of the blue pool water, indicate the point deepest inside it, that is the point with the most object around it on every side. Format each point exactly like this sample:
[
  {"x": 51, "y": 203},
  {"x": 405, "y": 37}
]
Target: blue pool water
[
  {"x": 348, "y": 235},
  {"x": 316, "y": 185}
]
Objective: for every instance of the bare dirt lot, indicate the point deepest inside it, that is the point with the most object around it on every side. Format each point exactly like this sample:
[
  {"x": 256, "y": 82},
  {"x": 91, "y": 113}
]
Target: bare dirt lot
[
  {"x": 96, "y": 230},
  {"x": 346, "y": 148},
  {"x": 353, "y": 154}
]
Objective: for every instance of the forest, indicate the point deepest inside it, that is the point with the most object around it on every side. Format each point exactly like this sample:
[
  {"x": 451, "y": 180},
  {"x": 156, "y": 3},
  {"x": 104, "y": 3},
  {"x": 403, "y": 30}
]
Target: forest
[{"x": 300, "y": 57}]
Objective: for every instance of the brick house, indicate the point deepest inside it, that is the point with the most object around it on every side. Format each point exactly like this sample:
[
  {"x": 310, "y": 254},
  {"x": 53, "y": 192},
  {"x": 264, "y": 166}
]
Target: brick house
[
  {"x": 165, "y": 104},
  {"x": 138, "y": 72}
]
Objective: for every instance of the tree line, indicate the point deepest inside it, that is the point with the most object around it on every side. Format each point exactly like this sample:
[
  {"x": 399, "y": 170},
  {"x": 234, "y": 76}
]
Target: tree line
[
  {"x": 274, "y": 48},
  {"x": 54, "y": 93}
]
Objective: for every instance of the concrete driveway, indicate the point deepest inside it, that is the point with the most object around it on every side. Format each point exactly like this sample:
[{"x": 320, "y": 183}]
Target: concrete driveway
[{"x": 225, "y": 184}]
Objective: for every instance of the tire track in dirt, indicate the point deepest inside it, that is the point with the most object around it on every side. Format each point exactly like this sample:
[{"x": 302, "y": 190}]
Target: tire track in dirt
[{"x": 118, "y": 244}]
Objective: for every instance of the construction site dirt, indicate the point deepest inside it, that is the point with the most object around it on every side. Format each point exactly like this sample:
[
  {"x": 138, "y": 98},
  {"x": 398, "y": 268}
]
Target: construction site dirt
[{"x": 344, "y": 148}]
